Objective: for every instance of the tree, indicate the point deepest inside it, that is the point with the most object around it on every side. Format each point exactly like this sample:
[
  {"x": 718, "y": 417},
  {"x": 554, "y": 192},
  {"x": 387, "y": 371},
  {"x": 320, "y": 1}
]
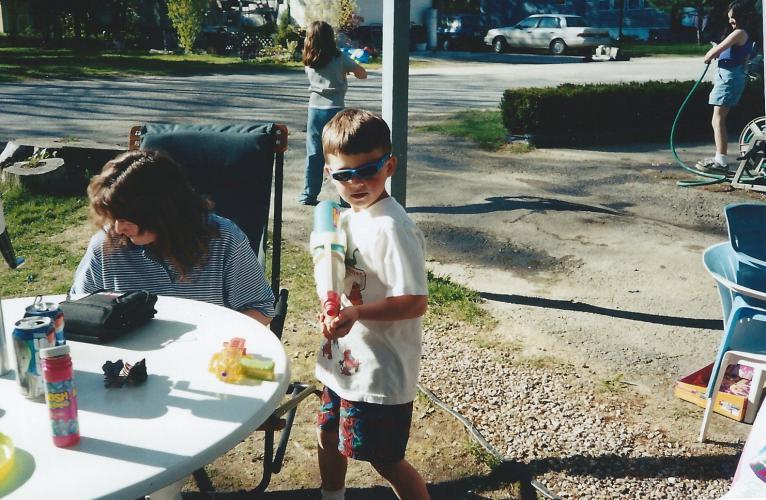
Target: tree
[
  {"x": 713, "y": 8},
  {"x": 321, "y": 10},
  {"x": 348, "y": 17},
  {"x": 187, "y": 17},
  {"x": 284, "y": 28}
]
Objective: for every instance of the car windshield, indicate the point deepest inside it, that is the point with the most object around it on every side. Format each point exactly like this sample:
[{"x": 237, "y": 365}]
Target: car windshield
[
  {"x": 549, "y": 22},
  {"x": 576, "y": 22},
  {"x": 529, "y": 22}
]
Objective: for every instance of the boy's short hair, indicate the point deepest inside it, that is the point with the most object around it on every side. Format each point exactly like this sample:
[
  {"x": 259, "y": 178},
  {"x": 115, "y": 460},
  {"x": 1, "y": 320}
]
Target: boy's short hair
[{"x": 356, "y": 131}]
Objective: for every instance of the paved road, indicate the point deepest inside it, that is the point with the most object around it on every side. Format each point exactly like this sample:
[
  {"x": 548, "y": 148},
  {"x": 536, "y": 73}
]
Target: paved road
[{"x": 104, "y": 110}]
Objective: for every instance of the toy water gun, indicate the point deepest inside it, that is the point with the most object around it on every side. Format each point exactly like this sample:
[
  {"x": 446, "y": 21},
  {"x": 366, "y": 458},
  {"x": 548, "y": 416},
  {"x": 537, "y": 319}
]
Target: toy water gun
[
  {"x": 5, "y": 243},
  {"x": 232, "y": 363},
  {"x": 328, "y": 250},
  {"x": 7, "y": 452}
]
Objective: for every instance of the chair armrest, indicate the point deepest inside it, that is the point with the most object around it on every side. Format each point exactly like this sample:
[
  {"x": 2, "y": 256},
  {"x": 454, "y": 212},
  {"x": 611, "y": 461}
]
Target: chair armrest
[
  {"x": 294, "y": 401},
  {"x": 748, "y": 292}
]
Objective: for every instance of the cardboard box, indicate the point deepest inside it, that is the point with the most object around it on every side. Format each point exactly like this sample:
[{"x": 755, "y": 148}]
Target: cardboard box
[{"x": 692, "y": 388}]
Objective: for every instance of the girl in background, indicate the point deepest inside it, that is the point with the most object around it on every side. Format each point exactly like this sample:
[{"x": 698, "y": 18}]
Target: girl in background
[
  {"x": 326, "y": 68},
  {"x": 729, "y": 79}
]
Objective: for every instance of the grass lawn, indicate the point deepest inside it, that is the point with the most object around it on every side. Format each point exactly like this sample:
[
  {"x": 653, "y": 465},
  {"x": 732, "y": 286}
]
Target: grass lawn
[
  {"x": 30, "y": 62},
  {"x": 51, "y": 233},
  {"x": 644, "y": 49},
  {"x": 485, "y": 127},
  {"x": 19, "y": 63}
]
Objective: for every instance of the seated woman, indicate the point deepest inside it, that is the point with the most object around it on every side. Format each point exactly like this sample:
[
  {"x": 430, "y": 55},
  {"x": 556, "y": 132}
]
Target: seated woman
[{"x": 158, "y": 234}]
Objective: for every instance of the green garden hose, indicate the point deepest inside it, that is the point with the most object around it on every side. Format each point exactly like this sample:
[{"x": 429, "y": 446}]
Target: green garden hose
[{"x": 711, "y": 178}]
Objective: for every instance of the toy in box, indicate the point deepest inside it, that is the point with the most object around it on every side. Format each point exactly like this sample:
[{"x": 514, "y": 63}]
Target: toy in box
[{"x": 731, "y": 398}]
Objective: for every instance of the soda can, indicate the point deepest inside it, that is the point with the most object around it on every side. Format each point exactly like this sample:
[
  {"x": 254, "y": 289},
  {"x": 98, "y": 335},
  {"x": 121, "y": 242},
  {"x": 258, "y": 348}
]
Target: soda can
[
  {"x": 49, "y": 310},
  {"x": 29, "y": 336},
  {"x": 5, "y": 364}
]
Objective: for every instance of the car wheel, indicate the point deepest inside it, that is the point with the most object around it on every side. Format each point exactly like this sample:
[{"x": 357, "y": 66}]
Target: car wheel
[
  {"x": 447, "y": 45},
  {"x": 499, "y": 45},
  {"x": 558, "y": 47}
]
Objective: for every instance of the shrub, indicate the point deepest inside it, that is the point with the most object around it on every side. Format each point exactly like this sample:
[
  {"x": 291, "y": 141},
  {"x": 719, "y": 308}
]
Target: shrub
[
  {"x": 187, "y": 17},
  {"x": 279, "y": 54},
  {"x": 570, "y": 114},
  {"x": 286, "y": 30},
  {"x": 348, "y": 17}
]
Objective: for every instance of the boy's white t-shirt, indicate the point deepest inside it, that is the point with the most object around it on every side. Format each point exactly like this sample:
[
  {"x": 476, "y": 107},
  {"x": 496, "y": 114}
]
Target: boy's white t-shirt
[{"x": 378, "y": 361}]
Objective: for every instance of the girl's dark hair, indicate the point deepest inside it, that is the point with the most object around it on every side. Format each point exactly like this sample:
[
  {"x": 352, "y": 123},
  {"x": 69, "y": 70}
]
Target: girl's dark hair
[
  {"x": 744, "y": 13},
  {"x": 150, "y": 190},
  {"x": 319, "y": 47}
]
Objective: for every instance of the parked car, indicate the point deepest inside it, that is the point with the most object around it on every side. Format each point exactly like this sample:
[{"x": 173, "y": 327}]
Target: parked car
[
  {"x": 460, "y": 31},
  {"x": 559, "y": 33}
]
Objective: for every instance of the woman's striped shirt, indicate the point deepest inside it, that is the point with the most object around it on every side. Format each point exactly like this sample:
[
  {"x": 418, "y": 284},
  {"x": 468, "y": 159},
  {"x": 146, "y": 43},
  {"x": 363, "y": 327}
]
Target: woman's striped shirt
[{"x": 231, "y": 276}]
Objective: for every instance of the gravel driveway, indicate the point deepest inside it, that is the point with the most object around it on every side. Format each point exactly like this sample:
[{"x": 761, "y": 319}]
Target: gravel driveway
[{"x": 591, "y": 261}]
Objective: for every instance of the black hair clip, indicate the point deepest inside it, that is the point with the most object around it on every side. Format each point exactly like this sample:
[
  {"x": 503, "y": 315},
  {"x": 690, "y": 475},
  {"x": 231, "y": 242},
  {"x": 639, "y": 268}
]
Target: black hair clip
[{"x": 117, "y": 373}]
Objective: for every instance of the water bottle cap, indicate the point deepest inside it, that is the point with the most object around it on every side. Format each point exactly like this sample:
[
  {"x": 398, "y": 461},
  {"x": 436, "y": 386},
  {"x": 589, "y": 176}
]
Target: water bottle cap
[{"x": 52, "y": 352}]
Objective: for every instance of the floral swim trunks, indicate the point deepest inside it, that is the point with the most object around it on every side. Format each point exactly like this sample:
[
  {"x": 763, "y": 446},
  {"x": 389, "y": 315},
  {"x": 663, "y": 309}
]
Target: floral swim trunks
[{"x": 367, "y": 431}]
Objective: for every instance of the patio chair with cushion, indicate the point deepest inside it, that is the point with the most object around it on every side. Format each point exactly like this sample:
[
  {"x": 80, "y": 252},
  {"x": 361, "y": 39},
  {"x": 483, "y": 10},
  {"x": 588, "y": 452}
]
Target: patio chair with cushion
[{"x": 237, "y": 166}]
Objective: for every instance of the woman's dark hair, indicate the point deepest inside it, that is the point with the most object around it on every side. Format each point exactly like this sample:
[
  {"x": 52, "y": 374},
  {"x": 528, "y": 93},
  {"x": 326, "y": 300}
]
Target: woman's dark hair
[
  {"x": 150, "y": 190},
  {"x": 319, "y": 47},
  {"x": 744, "y": 13}
]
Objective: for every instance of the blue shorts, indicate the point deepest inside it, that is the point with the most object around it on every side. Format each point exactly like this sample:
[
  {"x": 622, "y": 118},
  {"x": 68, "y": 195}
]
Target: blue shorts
[
  {"x": 367, "y": 431},
  {"x": 728, "y": 85}
]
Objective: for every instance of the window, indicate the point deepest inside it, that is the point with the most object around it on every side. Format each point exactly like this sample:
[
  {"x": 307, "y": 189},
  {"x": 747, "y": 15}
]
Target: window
[
  {"x": 576, "y": 22},
  {"x": 549, "y": 22},
  {"x": 529, "y": 22},
  {"x": 617, "y": 4}
]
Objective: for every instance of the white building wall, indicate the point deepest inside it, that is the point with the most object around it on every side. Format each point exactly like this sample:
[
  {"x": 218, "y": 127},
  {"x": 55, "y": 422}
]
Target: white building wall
[{"x": 370, "y": 10}]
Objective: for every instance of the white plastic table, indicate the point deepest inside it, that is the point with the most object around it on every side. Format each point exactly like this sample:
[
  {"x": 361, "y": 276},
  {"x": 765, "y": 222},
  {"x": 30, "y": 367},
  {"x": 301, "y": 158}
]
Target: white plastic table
[
  {"x": 746, "y": 484},
  {"x": 135, "y": 440}
]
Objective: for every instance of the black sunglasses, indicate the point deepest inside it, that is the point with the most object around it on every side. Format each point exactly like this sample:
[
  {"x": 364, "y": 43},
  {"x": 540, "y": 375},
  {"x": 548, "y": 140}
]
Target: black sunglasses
[{"x": 363, "y": 171}]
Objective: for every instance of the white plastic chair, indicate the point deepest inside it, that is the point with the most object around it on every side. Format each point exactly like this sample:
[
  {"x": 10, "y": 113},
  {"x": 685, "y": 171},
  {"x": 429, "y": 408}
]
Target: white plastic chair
[{"x": 744, "y": 311}]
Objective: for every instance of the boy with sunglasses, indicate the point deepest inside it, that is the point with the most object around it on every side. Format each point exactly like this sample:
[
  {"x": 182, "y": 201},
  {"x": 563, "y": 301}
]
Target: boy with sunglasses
[{"x": 370, "y": 359}]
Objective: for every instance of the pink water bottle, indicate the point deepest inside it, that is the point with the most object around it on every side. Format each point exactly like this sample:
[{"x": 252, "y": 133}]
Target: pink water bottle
[{"x": 60, "y": 394}]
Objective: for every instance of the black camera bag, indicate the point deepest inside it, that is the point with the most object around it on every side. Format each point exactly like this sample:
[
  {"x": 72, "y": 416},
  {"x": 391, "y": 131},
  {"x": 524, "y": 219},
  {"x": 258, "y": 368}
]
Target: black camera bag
[{"x": 104, "y": 315}]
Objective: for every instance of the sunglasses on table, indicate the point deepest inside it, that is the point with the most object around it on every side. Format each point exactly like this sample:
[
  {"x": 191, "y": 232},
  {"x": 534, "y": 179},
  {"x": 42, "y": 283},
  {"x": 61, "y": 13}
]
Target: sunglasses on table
[{"x": 362, "y": 171}]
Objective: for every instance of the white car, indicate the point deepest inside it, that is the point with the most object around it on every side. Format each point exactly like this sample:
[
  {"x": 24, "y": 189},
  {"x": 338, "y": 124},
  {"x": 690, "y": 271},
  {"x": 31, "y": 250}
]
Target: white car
[{"x": 558, "y": 33}]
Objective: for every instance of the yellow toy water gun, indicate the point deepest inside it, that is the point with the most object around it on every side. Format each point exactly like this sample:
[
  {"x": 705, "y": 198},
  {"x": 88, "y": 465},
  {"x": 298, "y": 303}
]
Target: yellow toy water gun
[{"x": 232, "y": 363}]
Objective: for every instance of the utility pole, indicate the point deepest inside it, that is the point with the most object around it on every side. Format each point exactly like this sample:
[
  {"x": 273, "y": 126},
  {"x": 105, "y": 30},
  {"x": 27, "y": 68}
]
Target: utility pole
[
  {"x": 622, "y": 17},
  {"x": 396, "y": 61}
]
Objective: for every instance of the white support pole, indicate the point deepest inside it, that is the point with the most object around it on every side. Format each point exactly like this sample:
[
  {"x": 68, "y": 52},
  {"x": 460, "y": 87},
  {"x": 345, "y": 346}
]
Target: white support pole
[{"x": 396, "y": 55}]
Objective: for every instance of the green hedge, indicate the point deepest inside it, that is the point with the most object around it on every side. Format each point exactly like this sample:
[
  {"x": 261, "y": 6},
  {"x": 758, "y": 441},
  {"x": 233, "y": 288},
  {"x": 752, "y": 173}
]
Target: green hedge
[{"x": 570, "y": 115}]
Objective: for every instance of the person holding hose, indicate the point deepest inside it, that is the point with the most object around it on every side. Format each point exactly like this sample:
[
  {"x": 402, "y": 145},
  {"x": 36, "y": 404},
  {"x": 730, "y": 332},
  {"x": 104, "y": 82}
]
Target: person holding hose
[{"x": 729, "y": 79}]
